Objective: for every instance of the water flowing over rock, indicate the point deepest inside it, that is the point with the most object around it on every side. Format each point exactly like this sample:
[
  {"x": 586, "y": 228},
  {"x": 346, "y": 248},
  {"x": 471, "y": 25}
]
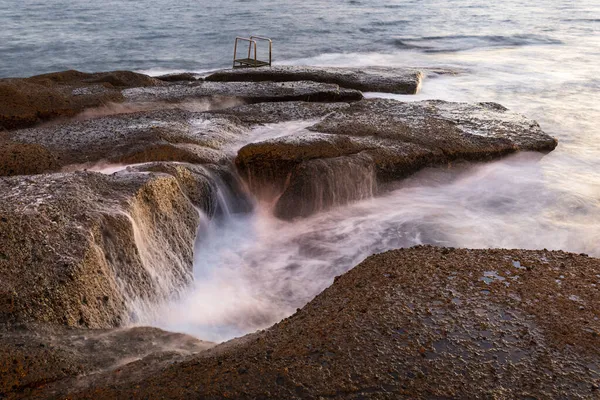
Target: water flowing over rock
[
  {"x": 385, "y": 138},
  {"x": 103, "y": 247},
  {"x": 103, "y": 215},
  {"x": 423, "y": 322},
  {"x": 27, "y": 101},
  {"x": 367, "y": 79}
]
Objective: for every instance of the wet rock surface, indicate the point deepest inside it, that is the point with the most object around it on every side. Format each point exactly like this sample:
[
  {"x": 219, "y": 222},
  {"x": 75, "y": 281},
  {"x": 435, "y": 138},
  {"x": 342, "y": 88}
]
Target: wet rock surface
[
  {"x": 380, "y": 140},
  {"x": 423, "y": 322},
  {"x": 166, "y": 135},
  {"x": 448, "y": 126},
  {"x": 252, "y": 92},
  {"x": 90, "y": 250},
  {"x": 276, "y": 112},
  {"x": 34, "y": 355},
  {"x": 178, "y": 77},
  {"x": 28, "y": 101},
  {"x": 367, "y": 79}
]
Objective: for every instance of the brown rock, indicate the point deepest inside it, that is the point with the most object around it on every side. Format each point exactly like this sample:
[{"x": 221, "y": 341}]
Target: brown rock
[
  {"x": 184, "y": 76},
  {"x": 32, "y": 356},
  {"x": 367, "y": 79},
  {"x": 251, "y": 92},
  {"x": 25, "y": 159},
  {"x": 378, "y": 141},
  {"x": 275, "y": 112},
  {"x": 167, "y": 135},
  {"x": 423, "y": 322},
  {"x": 92, "y": 250},
  {"x": 28, "y": 101}
]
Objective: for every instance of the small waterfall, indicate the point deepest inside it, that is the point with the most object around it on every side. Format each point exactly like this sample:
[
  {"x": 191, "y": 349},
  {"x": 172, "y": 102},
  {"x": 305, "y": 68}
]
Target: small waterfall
[
  {"x": 150, "y": 245},
  {"x": 229, "y": 196},
  {"x": 166, "y": 269},
  {"x": 319, "y": 185}
]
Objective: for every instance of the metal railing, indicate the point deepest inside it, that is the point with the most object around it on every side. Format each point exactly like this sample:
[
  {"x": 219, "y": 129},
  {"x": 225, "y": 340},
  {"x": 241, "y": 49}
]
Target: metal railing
[
  {"x": 251, "y": 62},
  {"x": 270, "y": 45}
]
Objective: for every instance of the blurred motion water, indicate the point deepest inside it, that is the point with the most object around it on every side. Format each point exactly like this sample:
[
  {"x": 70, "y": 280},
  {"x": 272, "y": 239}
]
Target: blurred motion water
[{"x": 539, "y": 59}]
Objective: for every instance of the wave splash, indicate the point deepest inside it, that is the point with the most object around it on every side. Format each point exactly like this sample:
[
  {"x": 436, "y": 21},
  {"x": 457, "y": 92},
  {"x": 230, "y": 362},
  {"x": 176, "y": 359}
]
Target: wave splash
[
  {"x": 252, "y": 269},
  {"x": 455, "y": 43}
]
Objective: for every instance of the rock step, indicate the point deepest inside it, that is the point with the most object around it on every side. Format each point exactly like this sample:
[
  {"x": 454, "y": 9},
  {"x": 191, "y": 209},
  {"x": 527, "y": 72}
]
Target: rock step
[
  {"x": 380, "y": 140},
  {"x": 251, "y": 92},
  {"x": 27, "y": 101},
  {"x": 367, "y": 79},
  {"x": 85, "y": 249}
]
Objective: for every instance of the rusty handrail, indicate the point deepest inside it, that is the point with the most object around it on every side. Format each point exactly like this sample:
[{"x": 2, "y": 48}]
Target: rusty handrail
[
  {"x": 270, "y": 46},
  {"x": 250, "y": 42}
]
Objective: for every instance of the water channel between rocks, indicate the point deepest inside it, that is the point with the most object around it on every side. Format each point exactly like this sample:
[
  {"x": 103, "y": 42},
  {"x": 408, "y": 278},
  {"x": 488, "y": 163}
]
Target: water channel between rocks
[{"x": 252, "y": 269}]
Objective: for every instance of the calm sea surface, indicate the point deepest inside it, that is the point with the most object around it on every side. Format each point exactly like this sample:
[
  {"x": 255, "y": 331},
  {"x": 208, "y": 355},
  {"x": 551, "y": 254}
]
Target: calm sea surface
[{"x": 541, "y": 59}]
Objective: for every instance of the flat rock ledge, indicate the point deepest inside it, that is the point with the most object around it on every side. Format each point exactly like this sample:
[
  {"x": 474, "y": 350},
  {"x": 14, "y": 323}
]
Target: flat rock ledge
[
  {"x": 345, "y": 156},
  {"x": 25, "y": 102},
  {"x": 251, "y": 92},
  {"x": 145, "y": 136},
  {"x": 423, "y": 322},
  {"x": 34, "y": 355},
  {"x": 366, "y": 79},
  {"x": 29, "y": 101}
]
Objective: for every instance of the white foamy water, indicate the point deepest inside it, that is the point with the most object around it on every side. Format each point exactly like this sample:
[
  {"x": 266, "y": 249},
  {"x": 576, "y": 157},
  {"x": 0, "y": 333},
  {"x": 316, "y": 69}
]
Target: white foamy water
[{"x": 252, "y": 270}]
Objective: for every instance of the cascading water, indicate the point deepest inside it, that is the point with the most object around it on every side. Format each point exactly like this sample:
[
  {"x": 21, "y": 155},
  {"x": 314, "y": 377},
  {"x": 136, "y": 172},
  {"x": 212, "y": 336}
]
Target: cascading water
[{"x": 252, "y": 269}]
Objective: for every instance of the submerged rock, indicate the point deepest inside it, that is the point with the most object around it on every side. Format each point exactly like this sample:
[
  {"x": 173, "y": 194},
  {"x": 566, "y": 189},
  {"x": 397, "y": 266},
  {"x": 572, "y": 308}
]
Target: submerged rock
[
  {"x": 91, "y": 250},
  {"x": 366, "y": 79},
  {"x": 413, "y": 323},
  {"x": 379, "y": 140},
  {"x": 28, "y": 101}
]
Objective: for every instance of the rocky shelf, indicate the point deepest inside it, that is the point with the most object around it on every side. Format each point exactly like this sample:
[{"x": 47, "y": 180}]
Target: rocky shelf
[
  {"x": 100, "y": 207},
  {"x": 424, "y": 322},
  {"x": 368, "y": 79}
]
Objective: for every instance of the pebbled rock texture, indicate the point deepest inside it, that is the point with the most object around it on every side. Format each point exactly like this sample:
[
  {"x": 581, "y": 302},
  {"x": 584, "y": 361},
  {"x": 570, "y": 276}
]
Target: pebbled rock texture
[
  {"x": 28, "y": 101},
  {"x": 423, "y": 322},
  {"x": 367, "y": 79},
  {"x": 91, "y": 250},
  {"x": 380, "y": 140}
]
